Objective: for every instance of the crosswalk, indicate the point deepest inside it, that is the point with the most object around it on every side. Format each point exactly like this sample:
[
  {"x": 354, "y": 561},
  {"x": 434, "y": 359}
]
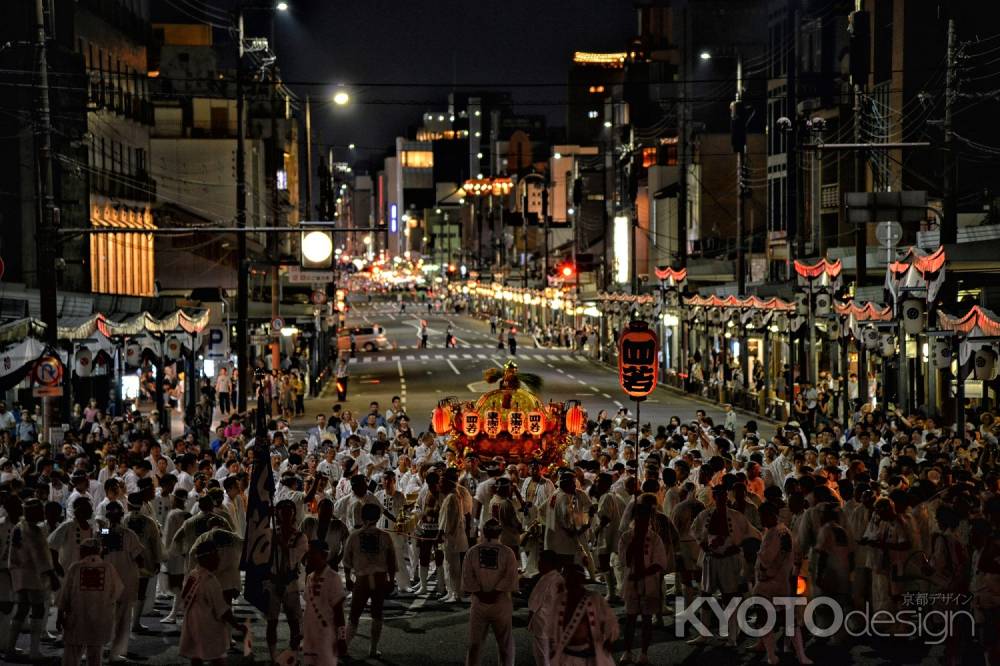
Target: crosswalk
[{"x": 472, "y": 354}]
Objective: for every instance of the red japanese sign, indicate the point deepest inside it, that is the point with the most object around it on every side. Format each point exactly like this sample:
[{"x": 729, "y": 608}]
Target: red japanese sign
[{"x": 638, "y": 360}]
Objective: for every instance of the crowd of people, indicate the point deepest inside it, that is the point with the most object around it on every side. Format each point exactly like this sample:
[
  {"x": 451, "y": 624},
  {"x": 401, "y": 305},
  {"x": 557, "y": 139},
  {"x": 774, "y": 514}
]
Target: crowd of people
[{"x": 889, "y": 512}]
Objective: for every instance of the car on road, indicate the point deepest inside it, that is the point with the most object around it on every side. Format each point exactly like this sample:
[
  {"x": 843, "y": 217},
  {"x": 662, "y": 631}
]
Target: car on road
[{"x": 367, "y": 338}]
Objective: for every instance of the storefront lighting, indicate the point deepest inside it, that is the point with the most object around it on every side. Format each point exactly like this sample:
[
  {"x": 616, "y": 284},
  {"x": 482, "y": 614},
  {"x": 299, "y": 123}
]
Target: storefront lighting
[{"x": 289, "y": 331}]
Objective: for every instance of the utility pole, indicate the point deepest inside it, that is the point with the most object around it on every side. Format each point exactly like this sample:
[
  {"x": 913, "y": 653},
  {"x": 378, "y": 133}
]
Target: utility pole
[
  {"x": 791, "y": 150},
  {"x": 277, "y": 156},
  {"x": 949, "y": 225},
  {"x": 309, "y": 161},
  {"x": 242, "y": 269},
  {"x": 45, "y": 270},
  {"x": 682, "y": 145},
  {"x": 739, "y": 131},
  {"x": 46, "y": 214}
]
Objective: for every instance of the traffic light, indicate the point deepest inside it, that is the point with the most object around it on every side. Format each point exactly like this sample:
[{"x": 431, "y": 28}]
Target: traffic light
[{"x": 567, "y": 271}]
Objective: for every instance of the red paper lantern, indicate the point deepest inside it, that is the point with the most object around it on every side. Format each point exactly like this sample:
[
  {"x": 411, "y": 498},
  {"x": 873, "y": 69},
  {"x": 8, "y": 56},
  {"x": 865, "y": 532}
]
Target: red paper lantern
[
  {"x": 576, "y": 420},
  {"x": 470, "y": 423},
  {"x": 536, "y": 423},
  {"x": 492, "y": 423},
  {"x": 516, "y": 423},
  {"x": 441, "y": 419},
  {"x": 638, "y": 360}
]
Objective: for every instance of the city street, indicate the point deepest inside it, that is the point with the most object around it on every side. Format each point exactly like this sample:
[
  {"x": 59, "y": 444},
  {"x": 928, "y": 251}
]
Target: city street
[
  {"x": 422, "y": 377},
  {"x": 495, "y": 297}
]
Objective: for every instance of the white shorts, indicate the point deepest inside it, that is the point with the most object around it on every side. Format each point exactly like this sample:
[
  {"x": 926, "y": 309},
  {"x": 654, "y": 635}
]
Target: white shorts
[
  {"x": 722, "y": 574},
  {"x": 644, "y": 597}
]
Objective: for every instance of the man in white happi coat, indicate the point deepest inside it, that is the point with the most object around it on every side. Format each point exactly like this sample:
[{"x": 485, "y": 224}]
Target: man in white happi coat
[
  {"x": 775, "y": 571},
  {"x": 230, "y": 548},
  {"x": 609, "y": 516},
  {"x": 536, "y": 491},
  {"x": 721, "y": 531},
  {"x": 369, "y": 554},
  {"x": 32, "y": 574},
  {"x": 584, "y": 626},
  {"x": 86, "y": 604},
  {"x": 566, "y": 519},
  {"x": 68, "y": 538},
  {"x": 489, "y": 573},
  {"x": 123, "y": 550},
  {"x": 541, "y": 604},
  {"x": 175, "y": 562},
  {"x": 453, "y": 539},
  {"x": 207, "y": 616},
  {"x": 149, "y": 535},
  {"x": 326, "y": 527},
  {"x": 394, "y": 502},
  {"x": 13, "y": 510},
  {"x": 644, "y": 559},
  {"x": 324, "y": 633}
]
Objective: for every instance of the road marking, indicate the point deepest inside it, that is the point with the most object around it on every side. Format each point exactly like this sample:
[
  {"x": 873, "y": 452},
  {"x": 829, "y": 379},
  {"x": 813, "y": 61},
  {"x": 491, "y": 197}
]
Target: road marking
[
  {"x": 499, "y": 364},
  {"x": 581, "y": 382},
  {"x": 618, "y": 404},
  {"x": 539, "y": 357},
  {"x": 595, "y": 390},
  {"x": 585, "y": 394},
  {"x": 569, "y": 376},
  {"x": 466, "y": 355},
  {"x": 560, "y": 371},
  {"x": 482, "y": 356},
  {"x": 453, "y": 367}
]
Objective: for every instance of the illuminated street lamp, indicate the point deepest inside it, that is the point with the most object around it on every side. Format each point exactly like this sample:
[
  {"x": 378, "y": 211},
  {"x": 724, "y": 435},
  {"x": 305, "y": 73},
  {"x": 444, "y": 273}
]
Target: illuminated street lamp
[
  {"x": 317, "y": 248},
  {"x": 282, "y": 6},
  {"x": 341, "y": 98}
]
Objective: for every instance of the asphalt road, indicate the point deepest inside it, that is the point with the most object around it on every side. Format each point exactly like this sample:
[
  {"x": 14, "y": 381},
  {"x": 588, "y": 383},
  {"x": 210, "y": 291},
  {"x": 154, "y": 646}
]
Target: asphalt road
[{"x": 422, "y": 377}]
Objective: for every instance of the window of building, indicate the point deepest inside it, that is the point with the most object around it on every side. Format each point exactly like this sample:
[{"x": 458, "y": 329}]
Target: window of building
[
  {"x": 592, "y": 114},
  {"x": 417, "y": 159},
  {"x": 649, "y": 156}
]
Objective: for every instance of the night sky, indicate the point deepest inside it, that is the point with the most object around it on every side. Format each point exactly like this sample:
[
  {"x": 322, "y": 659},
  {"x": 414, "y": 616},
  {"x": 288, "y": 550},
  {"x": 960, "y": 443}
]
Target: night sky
[{"x": 436, "y": 42}]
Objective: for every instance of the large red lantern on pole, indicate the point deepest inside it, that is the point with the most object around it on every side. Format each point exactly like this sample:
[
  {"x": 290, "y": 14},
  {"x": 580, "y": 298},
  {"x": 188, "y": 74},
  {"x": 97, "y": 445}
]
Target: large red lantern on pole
[
  {"x": 441, "y": 419},
  {"x": 638, "y": 360}
]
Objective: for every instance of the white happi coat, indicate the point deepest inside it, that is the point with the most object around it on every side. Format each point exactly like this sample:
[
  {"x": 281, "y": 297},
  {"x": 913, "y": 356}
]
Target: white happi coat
[
  {"x": 204, "y": 634},
  {"x": 324, "y": 590},
  {"x": 594, "y": 610},
  {"x": 230, "y": 547},
  {"x": 30, "y": 556},
  {"x": 121, "y": 548},
  {"x": 87, "y": 597},
  {"x": 775, "y": 562},
  {"x": 67, "y": 539},
  {"x": 647, "y": 588}
]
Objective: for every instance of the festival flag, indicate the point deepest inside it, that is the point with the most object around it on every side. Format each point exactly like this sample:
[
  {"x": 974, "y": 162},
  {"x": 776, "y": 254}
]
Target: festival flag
[{"x": 256, "y": 560}]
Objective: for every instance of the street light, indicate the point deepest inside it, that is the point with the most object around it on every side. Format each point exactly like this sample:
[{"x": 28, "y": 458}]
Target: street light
[
  {"x": 705, "y": 55},
  {"x": 341, "y": 98},
  {"x": 317, "y": 247},
  {"x": 282, "y": 6}
]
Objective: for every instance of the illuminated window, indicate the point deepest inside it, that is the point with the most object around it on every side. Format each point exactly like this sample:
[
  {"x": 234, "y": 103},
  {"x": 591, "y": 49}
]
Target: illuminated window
[
  {"x": 417, "y": 159},
  {"x": 649, "y": 156},
  {"x": 592, "y": 114}
]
